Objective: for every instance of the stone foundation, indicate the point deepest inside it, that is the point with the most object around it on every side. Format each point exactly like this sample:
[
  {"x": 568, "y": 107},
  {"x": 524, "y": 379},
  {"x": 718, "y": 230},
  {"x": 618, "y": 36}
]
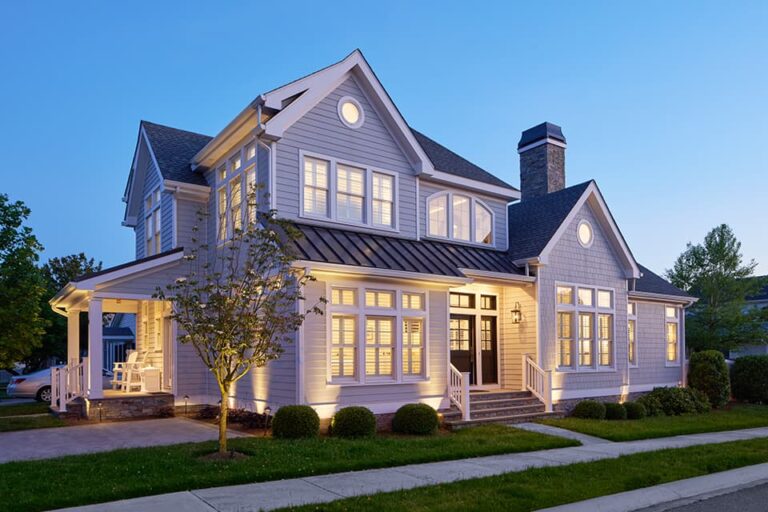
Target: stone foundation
[{"x": 128, "y": 407}]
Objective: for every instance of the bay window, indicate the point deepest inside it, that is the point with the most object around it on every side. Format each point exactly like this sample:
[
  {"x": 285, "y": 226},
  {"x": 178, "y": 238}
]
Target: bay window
[
  {"x": 469, "y": 219},
  {"x": 585, "y": 319},
  {"x": 376, "y": 335},
  {"x": 348, "y": 193}
]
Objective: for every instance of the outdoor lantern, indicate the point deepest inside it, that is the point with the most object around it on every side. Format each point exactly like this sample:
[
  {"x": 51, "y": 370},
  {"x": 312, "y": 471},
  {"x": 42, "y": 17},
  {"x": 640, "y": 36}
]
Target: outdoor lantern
[
  {"x": 100, "y": 406},
  {"x": 517, "y": 314},
  {"x": 267, "y": 412},
  {"x": 186, "y": 402}
]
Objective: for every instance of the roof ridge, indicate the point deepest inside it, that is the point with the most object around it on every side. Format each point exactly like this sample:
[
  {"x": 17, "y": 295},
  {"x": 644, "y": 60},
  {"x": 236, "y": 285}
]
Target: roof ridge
[{"x": 165, "y": 126}]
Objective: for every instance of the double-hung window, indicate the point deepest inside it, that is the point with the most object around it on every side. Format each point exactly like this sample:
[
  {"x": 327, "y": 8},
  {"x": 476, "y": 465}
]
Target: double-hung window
[
  {"x": 376, "y": 335},
  {"x": 672, "y": 329},
  {"x": 468, "y": 218},
  {"x": 152, "y": 223},
  {"x": 632, "y": 333},
  {"x": 348, "y": 193},
  {"x": 585, "y": 327},
  {"x": 236, "y": 191}
]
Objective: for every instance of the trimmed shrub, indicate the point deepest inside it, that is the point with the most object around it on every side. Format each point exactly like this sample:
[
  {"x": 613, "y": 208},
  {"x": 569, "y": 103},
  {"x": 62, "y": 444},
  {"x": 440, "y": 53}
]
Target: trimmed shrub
[
  {"x": 700, "y": 401},
  {"x": 750, "y": 379},
  {"x": 652, "y": 405},
  {"x": 708, "y": 373},
  {"x": 675, "y": 401},
  {"x": 589, "y": 410},
  {"x": 295, "y": 421},
  {"x": 615, "y": 411},
  {"x": 635, "y": 410},
  {"x": 416, "y": 419},
  {"x": 353, "y": 422},
  {"x": 208, "y": 412}
]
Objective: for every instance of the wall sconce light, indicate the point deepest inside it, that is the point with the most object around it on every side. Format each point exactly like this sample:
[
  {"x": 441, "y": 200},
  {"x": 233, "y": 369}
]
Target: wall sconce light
[
  {"x": 267, "y": 413},
  {"x": 517, "y": 314}
]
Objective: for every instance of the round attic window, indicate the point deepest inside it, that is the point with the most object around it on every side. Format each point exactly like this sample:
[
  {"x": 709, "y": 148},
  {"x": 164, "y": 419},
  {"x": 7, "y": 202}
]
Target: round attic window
[
  {"x": 350, "y": 112},
  {"x": 584, "y": 233}
]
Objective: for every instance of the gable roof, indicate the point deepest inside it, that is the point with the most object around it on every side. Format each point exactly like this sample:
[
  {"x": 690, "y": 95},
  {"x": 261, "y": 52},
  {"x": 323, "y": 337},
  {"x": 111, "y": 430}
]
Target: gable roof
[
  {"x": 343, "y": 247},
  {"x": 173, "y": 150},
  {"x": 447, "y": 161},
  {"x": 651, "y": 282},
  {"x": 533, "y": 222}
]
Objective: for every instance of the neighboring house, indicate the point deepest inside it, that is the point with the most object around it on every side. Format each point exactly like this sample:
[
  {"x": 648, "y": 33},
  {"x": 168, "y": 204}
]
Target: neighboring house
[
  {"x": 441, "y": 277},
  {"x": 758, "y": 301},
  {"x": 119, "y": 337}
]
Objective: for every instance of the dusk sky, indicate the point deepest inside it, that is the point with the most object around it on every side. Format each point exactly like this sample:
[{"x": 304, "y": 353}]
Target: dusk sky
[{"x": 665, "y": 104}]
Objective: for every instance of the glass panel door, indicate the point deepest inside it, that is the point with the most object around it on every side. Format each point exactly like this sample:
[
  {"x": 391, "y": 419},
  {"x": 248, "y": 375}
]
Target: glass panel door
[
  {"x": 488, "y": 350},
  {"x": 462, "y": 339}
]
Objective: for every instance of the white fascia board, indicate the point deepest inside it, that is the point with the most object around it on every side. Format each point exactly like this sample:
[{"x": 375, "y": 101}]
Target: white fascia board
[
  {"x": 477, "y": 186},
  {"x": 236, "y": 129},
  {"x": 335, "y": 268},
  {"x": 90, "y": 284},
  {"x": 613, "y": 230},
  {"x": 187, "y": 190},
  {"x": 496, "y": 276},
  {"x": 661, "y": 297}
]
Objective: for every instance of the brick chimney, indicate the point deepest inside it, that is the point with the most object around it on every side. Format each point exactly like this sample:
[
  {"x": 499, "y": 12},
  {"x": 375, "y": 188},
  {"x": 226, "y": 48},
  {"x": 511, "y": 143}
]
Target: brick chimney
[{"x": 542, "y": 160}]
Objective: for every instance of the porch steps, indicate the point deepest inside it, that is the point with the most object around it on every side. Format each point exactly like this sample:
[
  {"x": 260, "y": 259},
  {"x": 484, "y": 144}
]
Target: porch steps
[{"x": 505, "y": 407}]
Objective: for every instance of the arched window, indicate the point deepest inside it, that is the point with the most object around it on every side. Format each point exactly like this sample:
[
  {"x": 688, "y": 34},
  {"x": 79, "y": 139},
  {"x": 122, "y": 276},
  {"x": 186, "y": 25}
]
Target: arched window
[{"x": 459, "y": 217}]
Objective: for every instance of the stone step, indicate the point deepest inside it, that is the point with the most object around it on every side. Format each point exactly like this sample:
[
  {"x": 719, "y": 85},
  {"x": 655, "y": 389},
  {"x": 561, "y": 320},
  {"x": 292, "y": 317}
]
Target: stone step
[
  {"x": 497, "y": 395},
  {"x": 503, "y": 402},
  {"x": 502, "y": 420},
  {"x": 453, "y": 414}
]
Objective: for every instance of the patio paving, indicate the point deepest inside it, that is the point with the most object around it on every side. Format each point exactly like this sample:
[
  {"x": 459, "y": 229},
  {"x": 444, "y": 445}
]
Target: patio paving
[
  {"x": 326, "y": 488},
  {"x": 46, "y": 443}
]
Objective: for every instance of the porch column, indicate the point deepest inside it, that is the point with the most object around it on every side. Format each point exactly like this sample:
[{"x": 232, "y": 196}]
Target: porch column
[
  {"x": 95, "y": 349},
  {"x": 73, "y": 337}
]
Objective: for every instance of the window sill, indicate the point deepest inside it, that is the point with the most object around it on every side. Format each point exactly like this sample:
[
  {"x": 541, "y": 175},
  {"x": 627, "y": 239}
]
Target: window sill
[{"x": 671, "y": 365}]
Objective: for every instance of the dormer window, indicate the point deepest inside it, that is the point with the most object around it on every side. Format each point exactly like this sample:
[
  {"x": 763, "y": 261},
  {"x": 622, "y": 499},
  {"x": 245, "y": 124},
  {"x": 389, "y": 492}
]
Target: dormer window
[{"x": 470, "y": 220}]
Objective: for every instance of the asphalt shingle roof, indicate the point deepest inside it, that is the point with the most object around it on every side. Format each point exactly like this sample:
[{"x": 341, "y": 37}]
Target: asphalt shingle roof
[
  {"x": 447, "y": 161},
  {"x": 533, "y": 222},
  {"x": 333, "y": 245},
  {"x": 174, "y": 149},
  {"x": 653, "y": 283}
]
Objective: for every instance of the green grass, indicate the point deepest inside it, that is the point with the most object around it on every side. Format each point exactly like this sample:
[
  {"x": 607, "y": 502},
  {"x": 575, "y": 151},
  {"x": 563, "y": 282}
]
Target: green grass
[
  {"x": 24, "y": 409},
  {"x": 739, "y": 416},
  {"x": 29, "y": 422},
  {"x": 547, "y": 487},
  {"x": 94, "y": 478}
]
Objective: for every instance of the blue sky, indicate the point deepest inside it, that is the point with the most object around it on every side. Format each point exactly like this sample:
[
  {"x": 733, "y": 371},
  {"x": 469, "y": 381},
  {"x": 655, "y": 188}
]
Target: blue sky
[{"x": 663, "y": 103}]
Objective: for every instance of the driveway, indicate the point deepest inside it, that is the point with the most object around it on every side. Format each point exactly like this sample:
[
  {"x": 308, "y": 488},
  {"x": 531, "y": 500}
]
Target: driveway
[{"x": 46, "y": 443}]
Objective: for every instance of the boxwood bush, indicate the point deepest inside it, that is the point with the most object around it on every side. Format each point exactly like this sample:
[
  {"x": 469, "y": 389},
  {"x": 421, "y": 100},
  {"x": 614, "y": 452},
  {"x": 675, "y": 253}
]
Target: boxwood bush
[
  {"x": 589, "y": 410},
  {"x": 615, "y": 411},
  {"x": 416, "y": 419},
  {"x": 295, "y": 421},
  {"x": 353, "y": 422},
  {"x": 675, "y": 401},
  {"x": 635, "y": 410},
  {"x": 708, "y": 373},
  {"x": 750, "y": 379}
]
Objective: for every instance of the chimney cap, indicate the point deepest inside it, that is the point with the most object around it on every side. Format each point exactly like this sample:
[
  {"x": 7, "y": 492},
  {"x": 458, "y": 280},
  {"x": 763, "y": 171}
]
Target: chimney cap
[{"x": 541, "y": 132}]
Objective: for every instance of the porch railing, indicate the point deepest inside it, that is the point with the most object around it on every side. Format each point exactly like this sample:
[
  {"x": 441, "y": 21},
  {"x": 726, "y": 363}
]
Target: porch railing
[
  {"x": 458, "y": 390},
  {"x": 537, "y": 381},
  {"x": 68, "y": 383}
]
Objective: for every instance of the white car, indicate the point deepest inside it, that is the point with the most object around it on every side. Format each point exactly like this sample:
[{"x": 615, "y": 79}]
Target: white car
[{"x": 37, "y": 385}]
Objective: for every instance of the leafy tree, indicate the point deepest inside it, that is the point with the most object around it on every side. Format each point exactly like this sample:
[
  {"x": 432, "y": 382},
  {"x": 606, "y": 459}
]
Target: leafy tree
[
  {"x": 714, "y": 271},
  {"x": 239, "y": 304},
  {"x": 21, "y": 286},
  {"x": 56, "y": 273}
]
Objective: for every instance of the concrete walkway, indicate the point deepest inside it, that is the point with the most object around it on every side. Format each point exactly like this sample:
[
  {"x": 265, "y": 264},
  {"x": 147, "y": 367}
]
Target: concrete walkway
[
  {"x": 45, "y": 443},
  {"x": 322, "y": 489},
  {"x": 584, "y": 439},
  {"x": 673, "y": 494}
]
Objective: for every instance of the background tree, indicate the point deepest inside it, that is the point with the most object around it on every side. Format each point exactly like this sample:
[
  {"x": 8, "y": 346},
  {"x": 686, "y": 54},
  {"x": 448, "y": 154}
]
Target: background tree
[
  {"x": 21, "y": 286},
  {"x": 714, "y": 271},
  {"x": 56, "y": 273},
  {"x": 239, "y": 304}
]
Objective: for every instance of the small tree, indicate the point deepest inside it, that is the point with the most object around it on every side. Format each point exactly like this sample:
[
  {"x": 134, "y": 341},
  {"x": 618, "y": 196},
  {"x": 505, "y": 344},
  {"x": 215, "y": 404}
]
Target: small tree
[
  {"x": 715, "y": 272},
  {"x": 239, "y": 303},
  {"x": 21, "y": 286}
]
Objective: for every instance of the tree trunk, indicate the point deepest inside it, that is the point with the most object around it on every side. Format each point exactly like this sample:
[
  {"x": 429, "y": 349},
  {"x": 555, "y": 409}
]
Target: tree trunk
[{"x": 224, "y": 412}]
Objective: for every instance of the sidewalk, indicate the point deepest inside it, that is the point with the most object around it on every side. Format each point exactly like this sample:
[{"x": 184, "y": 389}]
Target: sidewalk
[{"x": 322, "y": 489}]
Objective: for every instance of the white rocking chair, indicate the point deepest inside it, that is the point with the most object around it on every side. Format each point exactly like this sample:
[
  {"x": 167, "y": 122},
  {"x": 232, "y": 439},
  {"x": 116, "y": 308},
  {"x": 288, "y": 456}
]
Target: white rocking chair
[{"x": 127, "y": 375}]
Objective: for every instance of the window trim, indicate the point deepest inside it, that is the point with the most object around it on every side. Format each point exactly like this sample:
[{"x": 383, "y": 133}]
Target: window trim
[
  {"x": 585, "y": 222},
  {"x": 633, "y": 317},
  {"x": 474, "y": 201},
  {"x": 153, "y": 217},
  {"x": 332, "y": 216},
  {"x": 247, "y": 168},
  {"x": 669, "y": 320},
  {"x": 356, "y": 103},
  {"x": 595, "y": 311}
]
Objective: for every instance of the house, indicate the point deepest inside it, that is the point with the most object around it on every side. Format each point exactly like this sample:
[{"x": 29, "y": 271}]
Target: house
[
  {"x": 446, "y": 284},
  {"x": 757, "y": 301},
  {"x": 119, "y": 338}
]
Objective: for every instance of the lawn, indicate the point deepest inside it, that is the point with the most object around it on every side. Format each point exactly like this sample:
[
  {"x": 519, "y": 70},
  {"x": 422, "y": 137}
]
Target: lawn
[
  {"x": 94, "y": 478},
  {"x": 24, "y": 409},
  {"x": 27, "y": 416},
  {"x": 738, "y": 416},
  {"x": 547, "y": 487}
]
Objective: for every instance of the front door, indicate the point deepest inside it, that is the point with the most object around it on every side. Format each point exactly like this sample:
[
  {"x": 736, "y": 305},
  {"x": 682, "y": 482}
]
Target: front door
[
  {"x": 462, "y": 337},
  {"x": 488, "y": 350}
]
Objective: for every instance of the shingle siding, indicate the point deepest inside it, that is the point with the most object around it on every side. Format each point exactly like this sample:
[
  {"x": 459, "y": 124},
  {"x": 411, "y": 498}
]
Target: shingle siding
[
  {"x": 321, "y": 131},
  {"x": 651, "y": 348},
  {"x": 166, "y": 222}
]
